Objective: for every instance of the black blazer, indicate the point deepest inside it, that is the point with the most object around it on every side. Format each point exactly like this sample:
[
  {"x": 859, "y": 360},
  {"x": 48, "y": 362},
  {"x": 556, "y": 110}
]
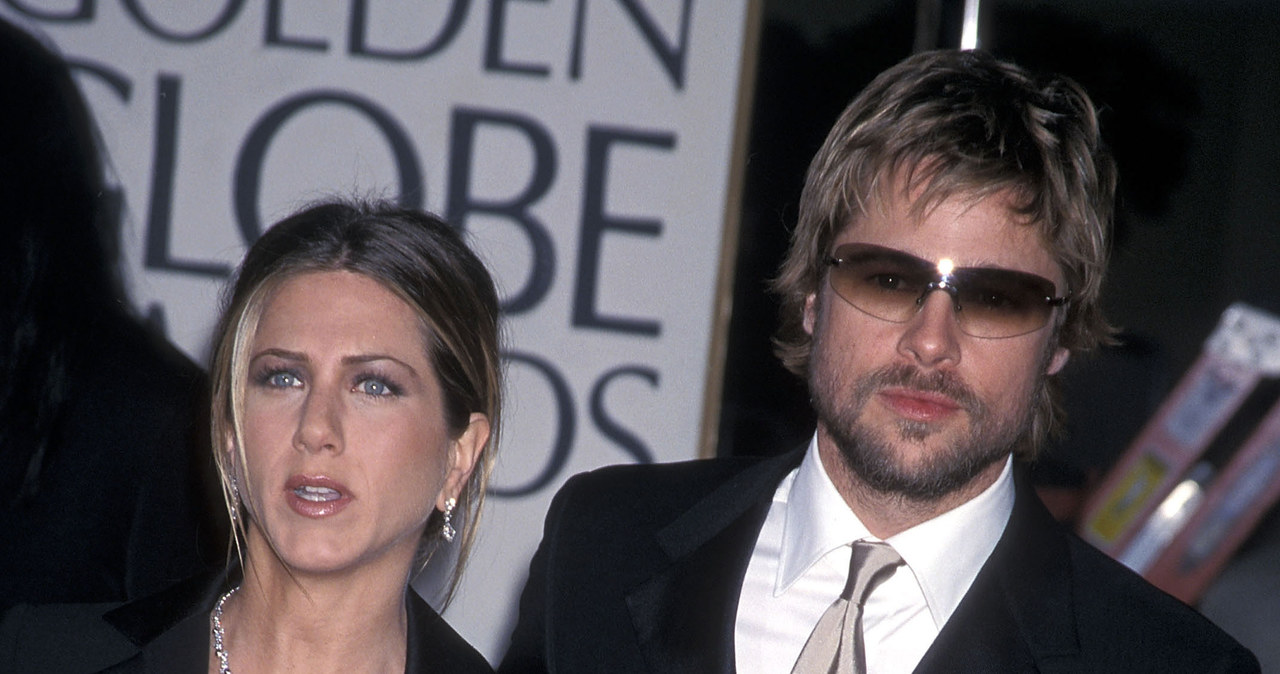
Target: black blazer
[
  {"x": 169, "y": 632},
  {"x": 640, "y": 567}
]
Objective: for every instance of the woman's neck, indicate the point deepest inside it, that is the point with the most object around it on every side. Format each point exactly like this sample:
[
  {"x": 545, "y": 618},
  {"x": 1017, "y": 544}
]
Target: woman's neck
[{"x": 283, "y": 620}]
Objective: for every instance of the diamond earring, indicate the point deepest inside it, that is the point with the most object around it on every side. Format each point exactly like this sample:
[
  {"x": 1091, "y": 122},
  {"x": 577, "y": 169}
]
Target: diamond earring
[
  {"x": 235, "y": 500},
  {"x": 446, "y": 530}
]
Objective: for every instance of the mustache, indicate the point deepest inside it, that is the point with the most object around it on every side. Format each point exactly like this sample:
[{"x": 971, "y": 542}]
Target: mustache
[{"x": 907, "y": 376}]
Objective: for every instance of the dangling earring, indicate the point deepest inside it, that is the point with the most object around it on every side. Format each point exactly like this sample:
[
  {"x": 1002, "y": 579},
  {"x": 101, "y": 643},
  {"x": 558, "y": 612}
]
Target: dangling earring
[
  {"x": 235, "y": 500},
  {"x": 446, "y": 530}
]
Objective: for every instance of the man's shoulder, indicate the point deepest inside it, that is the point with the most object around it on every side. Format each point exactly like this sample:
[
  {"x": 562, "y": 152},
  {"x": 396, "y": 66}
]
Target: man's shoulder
[
  {"x": 1108, "y": 584},
  {"x": 1070, "y": 602},
  {"x": 596, "y": 507},
  {"x": 683, "y": 475},
  {"x": 675, "y": 486},
  {"x": 1121, "y": 610}
]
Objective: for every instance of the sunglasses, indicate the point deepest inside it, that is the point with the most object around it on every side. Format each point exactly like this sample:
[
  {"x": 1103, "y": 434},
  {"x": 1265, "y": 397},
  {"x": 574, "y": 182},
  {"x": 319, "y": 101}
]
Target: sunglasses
[{"x": 989, "y": 301}]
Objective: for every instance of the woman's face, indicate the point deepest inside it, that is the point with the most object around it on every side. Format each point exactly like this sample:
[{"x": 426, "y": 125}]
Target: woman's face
[{"x": 345, "y": 441}]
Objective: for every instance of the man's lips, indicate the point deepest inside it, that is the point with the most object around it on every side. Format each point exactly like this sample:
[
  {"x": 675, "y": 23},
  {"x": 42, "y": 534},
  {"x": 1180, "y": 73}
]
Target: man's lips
[
  {"x": 918, "y": 405},
  {"x": 316, "y": 495}
]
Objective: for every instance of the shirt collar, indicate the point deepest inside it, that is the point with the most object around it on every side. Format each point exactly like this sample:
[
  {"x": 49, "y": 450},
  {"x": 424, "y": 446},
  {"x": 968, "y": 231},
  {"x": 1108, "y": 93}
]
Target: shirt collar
[
  {"x": 818, "y": 520},
  {"x": 944, "y": 553}
]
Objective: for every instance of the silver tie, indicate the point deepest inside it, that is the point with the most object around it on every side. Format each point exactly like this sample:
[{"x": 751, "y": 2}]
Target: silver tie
[{"x": 836, "y": 645}]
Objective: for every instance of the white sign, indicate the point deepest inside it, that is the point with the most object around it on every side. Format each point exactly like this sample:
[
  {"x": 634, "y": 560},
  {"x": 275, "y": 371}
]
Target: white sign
[{"x": 587, "y": 146}]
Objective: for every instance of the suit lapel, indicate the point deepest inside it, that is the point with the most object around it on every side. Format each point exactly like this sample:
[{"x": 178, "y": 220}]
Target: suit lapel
[
  {"x": 684, "y": 613},
  {"x": 170, "y": 628},
  {"x": 434, "y": 646},
  {"x": 1018, "y": 615}
]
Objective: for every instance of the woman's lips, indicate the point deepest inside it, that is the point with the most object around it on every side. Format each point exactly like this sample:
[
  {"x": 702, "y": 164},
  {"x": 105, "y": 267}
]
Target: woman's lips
[
  {"x": 316, "y": 496},
  {"x": 919, "y": 405}
]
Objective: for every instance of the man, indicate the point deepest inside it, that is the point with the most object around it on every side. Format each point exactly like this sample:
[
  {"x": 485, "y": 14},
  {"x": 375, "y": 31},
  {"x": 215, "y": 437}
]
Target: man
[{"x": 946, "y": 263}]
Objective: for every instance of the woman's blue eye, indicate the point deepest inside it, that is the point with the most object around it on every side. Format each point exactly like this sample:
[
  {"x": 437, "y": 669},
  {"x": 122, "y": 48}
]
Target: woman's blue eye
[
  {"x": 282, "y": 380},
  {"x": 375, "y": 387}
]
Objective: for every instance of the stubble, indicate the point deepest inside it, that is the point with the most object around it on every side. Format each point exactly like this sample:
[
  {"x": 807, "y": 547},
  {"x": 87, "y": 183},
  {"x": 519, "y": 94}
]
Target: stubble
[{"x": 870, "y": 454}]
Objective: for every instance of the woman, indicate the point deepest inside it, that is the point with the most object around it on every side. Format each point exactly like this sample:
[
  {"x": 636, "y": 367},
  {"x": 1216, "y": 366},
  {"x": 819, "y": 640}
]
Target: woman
[{"x": 355, "y": 401}]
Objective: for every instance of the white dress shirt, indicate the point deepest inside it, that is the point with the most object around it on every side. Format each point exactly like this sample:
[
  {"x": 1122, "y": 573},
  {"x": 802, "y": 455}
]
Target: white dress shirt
[{"x": 801, "y": 562}]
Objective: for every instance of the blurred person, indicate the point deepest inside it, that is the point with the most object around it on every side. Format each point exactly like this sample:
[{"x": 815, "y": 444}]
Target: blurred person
[
  {"x": 356, "y": 392},
  {"x": 105, "y": 475}
]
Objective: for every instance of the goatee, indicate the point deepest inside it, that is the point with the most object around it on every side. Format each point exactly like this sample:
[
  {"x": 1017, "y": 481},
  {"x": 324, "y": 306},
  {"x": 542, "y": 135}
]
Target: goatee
[{"x": 870, "y": 455}]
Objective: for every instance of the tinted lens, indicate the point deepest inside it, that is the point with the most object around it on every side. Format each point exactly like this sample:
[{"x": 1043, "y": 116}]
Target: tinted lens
[
  {"x": 1001, "y": 302},
  {"x": 990, "y": 302},
  {"x": 880, "y": 281}
]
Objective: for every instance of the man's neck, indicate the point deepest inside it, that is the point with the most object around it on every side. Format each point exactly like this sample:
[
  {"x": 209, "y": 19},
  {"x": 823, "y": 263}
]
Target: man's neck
[{"x": 888, "y": 513}]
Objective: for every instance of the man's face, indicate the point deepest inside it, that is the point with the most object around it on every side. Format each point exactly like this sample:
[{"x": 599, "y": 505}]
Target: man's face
[{"x": 920, "y": 408}]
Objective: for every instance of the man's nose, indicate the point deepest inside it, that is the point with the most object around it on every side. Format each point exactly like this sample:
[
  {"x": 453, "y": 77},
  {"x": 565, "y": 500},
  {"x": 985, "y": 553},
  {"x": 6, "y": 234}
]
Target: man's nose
[{"x": 932, "y": 335}]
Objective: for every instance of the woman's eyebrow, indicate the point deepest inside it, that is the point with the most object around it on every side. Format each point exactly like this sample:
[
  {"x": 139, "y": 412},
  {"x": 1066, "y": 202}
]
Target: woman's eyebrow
[
  {"x": 284, "y": 354},
  {"x": 374, "y": 357}
]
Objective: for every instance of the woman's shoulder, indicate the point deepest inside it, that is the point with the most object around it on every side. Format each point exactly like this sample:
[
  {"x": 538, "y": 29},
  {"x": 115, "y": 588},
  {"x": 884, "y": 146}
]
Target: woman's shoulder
[
  {"x": 434, "y": 646},
  {"x": 66, "y": 638},
  {"x": 61, "y": 638}
]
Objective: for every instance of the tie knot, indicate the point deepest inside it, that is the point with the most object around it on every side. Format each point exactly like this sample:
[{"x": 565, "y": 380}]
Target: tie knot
[
  {"x": 836, "y": 644},
  {"x": 870, "y": 565}
]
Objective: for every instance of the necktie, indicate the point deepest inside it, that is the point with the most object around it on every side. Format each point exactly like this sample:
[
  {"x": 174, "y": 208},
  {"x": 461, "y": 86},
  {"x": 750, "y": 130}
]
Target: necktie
[{"x": 835, "y": 646}]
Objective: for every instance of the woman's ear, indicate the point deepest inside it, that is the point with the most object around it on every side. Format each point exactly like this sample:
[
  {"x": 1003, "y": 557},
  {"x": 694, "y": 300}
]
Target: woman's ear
[{"x": 463, "y": 455}]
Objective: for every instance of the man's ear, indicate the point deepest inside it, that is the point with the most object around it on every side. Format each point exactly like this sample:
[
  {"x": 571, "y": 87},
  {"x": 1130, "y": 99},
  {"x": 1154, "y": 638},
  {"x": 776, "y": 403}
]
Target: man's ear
[
  {"x": 463, "y": 455},
  {"x": 810, "y": 317},
  {"x": 1058, "y": 361}
]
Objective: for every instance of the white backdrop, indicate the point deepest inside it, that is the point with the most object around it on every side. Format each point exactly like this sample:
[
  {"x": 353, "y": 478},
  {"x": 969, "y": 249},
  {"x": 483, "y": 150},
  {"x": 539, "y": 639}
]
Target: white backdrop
[{"x": 587, "y": 146}]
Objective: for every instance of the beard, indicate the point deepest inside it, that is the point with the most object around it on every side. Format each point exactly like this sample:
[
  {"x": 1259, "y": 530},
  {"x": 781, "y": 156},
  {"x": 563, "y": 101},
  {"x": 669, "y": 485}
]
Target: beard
[{"x": 870, "y": 454}]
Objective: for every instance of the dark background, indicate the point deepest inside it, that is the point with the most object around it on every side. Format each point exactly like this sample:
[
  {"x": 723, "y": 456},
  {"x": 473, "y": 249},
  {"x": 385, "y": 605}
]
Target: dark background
[{"x": 1188, "y": 92}]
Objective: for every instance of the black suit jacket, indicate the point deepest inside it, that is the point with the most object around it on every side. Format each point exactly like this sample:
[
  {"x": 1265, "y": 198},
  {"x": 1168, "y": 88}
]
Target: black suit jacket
[
  {"x": 169, "y": 632},
  {"x": 640, "y": 567}
]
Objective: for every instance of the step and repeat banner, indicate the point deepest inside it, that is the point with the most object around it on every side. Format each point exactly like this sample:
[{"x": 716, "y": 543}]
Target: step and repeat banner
[{"x": 590, "y": 148}]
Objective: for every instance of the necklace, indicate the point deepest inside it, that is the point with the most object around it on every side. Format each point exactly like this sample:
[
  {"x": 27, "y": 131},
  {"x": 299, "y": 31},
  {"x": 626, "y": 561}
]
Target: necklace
[{"x": 216, "y": 619}]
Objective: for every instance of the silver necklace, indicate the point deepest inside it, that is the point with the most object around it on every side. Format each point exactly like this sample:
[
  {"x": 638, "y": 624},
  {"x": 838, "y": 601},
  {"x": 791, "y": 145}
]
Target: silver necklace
[{"x": 216, "y": 619}]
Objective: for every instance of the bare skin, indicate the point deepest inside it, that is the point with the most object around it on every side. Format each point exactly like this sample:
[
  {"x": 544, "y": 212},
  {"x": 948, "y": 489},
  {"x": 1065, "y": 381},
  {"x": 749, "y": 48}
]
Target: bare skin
[{"x": 275, "y": 623}]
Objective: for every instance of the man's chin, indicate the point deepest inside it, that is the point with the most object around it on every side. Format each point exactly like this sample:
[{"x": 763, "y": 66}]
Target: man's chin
[
  {"x": 919, "y": 447},
  {"x": 925, "y": 470},
  {"x": 923, "y": 486}
]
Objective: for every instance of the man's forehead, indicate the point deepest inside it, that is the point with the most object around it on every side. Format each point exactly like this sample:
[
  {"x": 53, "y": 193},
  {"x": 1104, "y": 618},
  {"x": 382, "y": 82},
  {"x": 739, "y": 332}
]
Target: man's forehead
[
  {"x": 920, "y": 191},
  {"x": 968, "y": 228}
]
